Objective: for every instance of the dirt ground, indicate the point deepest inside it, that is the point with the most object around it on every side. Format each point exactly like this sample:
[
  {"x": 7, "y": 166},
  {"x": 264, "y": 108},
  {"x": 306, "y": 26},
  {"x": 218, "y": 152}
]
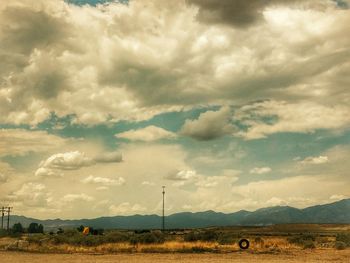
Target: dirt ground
[{"x": 298, "y": 256}]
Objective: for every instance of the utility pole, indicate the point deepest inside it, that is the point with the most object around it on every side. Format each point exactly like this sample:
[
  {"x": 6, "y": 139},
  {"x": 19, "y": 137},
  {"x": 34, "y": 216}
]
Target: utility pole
[
  {"x": 8, "y": 217},
  {"x": 163, "y": 216}
]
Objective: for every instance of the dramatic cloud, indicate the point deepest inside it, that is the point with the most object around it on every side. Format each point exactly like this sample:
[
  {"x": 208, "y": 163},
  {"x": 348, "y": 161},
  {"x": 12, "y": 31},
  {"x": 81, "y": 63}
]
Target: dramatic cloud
[
  {"x": 256, "y": 74},
  {"x": 103, "y": 180},
  {"x": 238, "y": 13},
  {"x": 260, "y": 170},
  {"x": 108, "y": 63},
  {"x": 281, "y": 116},
  {"x": 73, "y": 161},
  {"x": 209, "y": 125},
  {"x": 148, "y": 134},
  {"x": 242, "y": 13},
  {"x": 67, "y": 161}
]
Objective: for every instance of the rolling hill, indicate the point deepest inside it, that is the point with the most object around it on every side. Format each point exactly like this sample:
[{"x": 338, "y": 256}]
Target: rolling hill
[{"x": 337, "y": 212}]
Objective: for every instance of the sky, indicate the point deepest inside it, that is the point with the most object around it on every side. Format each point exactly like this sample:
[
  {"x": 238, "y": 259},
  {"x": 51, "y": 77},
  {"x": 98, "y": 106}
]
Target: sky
[{"x": 229, "y": 104}]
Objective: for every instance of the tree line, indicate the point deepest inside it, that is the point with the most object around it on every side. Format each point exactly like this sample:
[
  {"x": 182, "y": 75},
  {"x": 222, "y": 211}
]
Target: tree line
[{"x": 32, "y": 228}]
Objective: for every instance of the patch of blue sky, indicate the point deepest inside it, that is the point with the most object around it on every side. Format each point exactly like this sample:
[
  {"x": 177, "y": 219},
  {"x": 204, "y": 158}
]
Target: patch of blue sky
[
  {"x": 95, "y": 2},
  {"x": 342, "y": 4},
  {"x": 25, "y": 162},
  {"x": 63, "y": 127},
  {"x": 275, "y": 151}
]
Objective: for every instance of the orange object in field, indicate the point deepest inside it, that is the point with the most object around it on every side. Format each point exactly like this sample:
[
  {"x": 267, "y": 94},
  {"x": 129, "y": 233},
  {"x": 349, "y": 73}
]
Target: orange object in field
[{"x": 86, "y": 230}]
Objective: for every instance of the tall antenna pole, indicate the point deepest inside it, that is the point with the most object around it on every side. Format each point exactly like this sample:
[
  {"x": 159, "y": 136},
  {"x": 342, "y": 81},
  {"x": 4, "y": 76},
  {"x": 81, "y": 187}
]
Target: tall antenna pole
[{"x": 163, "y": 216}]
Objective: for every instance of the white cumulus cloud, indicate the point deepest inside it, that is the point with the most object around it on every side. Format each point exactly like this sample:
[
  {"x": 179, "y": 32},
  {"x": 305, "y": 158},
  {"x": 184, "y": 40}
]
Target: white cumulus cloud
[
  {"x": 67, "y": 161},
  {"x": 260, "y": 170},
  {"x": 315, "y": 160},
  {"x": 147, "y": 134}
]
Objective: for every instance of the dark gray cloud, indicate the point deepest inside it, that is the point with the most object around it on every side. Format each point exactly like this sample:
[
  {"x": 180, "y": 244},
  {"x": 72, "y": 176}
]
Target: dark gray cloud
[
  {"x": 239, "y": 13},
  {"x": 100, "y": 65},
  {"x": 209, "y": 125},
  {"x": 27, "y": 29}
]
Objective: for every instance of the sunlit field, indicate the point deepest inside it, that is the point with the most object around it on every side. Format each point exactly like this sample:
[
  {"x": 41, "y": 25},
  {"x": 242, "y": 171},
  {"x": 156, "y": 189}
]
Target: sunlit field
[{"x": 287, "y": 242}]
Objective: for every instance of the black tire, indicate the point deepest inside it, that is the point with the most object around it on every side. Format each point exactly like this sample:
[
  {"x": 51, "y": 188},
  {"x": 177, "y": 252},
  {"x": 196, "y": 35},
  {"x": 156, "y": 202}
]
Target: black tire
[{"x": 243, "y": 243}]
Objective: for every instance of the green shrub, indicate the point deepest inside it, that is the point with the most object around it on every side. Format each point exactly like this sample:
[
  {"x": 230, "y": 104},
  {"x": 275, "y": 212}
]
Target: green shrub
[
  {"x": 17, "y": 228},
  {"x": 35, "y": 228},
  {"x": 147, "y": 238},
  {"x": 208, "y": 236},
  {"x": 226, "y": 239},
  {"x": 345, "y": 238},
  {"x": 70, "y": 233},
  {"x": 191, "y": 237},
  {"x": 302, "y": 239},
  {"x": 116, "y": 237}
]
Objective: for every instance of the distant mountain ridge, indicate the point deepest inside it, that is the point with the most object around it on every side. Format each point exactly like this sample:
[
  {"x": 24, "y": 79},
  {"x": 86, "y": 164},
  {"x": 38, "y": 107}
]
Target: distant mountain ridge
[{"x": 333, "y": 213}]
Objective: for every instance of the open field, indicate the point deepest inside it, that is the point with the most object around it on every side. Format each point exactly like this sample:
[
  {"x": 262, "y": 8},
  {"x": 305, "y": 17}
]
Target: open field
[
  {"x": 278, "y": 243},
  {"x": 293, "y": 257}
]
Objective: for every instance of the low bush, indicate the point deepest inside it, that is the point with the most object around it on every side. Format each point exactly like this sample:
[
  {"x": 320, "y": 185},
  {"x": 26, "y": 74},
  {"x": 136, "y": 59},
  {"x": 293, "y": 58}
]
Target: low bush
[
  {"x": 309, "y": 244},
  {"x": 191, "y": 237},
  {"x": 35, "y": 238},
  {"x": 340, "y": 245},
  {"x": 116, "y": 237},
  {"x": 301, "y": 239},
  {"x": 226, "y": 239},
  {"x": 76, "y": 238},
  {"x": 208, "y": 236},
  {"x": 211, "y": 236},
  {"x": 345, "y": 238},
  {"x": 147, "y": 238}
]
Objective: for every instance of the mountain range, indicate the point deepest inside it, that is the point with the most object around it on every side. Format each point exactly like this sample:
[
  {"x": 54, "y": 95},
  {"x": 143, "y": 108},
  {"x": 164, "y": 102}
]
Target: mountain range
[{"x": 333, "y": 213}]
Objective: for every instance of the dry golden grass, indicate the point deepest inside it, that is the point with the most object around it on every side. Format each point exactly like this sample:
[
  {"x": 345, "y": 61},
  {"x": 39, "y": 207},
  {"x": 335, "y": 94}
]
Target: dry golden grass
[
  {"x": 271, "y": 244},
  {"x": 269, "y": 239}
]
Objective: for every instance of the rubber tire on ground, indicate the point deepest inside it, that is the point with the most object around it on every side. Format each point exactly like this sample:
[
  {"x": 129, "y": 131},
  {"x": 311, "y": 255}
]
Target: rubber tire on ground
[{"x": 243, "y": 243}]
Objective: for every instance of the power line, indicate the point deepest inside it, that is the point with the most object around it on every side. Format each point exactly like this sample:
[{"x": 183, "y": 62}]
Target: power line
[{"x": 5, "y": 209}]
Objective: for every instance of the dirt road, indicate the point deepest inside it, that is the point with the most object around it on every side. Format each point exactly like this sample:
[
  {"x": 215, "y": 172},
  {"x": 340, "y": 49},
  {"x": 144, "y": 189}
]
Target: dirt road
[{"x": 301, "y": 256}]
